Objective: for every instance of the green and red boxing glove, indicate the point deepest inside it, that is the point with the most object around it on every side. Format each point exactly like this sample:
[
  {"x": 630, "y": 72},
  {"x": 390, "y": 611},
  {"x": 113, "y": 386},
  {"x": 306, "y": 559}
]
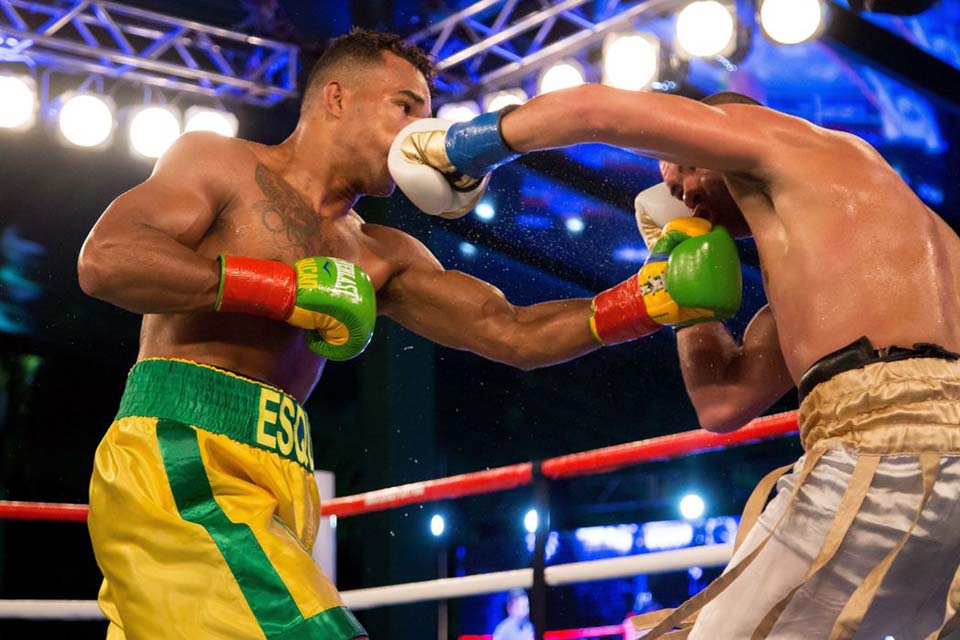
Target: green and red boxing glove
[
  {"x": 332, "y": 299},
  {"x": 691, "y": 275}
]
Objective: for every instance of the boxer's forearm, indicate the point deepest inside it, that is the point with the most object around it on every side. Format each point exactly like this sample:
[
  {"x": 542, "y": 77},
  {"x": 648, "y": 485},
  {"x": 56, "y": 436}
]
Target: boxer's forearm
[
  {"x": 459, "y": 311},
  {"x": 146, "y": 271},
  {"x": 664, "y": 126},
  {"x": 556, "y": 119},
  {"x": 551, "y": 332}
]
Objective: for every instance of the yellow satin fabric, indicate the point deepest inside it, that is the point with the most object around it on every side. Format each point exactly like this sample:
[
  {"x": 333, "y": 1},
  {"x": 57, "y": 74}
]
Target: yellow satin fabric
[
  {"x": 164, "y": 577},
  {"x": 903, "y": 408}
]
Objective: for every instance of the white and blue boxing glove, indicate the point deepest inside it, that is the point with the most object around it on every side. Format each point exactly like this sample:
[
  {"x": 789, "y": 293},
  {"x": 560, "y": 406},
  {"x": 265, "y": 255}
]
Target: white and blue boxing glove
[
  {"x": 654, "y": 208},
  {"x": 443, "y": 166}
]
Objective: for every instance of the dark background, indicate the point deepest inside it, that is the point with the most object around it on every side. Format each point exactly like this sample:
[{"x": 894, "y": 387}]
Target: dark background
[{"x": 408, "y": 410}]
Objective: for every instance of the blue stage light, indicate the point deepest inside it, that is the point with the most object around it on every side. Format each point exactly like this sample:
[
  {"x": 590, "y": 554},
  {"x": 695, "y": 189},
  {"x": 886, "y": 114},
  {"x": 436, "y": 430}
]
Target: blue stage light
[
  {"x": 531, "y": 521},
  {"x": 485, "y": 211},
  {"x": 575, "y": 225}
]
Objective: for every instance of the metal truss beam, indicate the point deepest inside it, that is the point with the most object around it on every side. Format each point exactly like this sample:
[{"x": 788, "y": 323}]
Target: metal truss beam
[
  {"x": 121, "y": 43},
  {"x": 493, "y": 43}
]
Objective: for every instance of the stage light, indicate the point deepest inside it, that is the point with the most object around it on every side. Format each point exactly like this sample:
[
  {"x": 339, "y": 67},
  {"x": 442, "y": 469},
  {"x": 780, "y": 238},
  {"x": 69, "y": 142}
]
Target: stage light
[
  {"x": 630, "y": 60},
  {"x": 459, "y": 111},
  {"x": 634, "y": 254},
  {"x": 153, "y": 130},
  {"x": 18, "y": 102},
  {"x": 562, "y": 75},
  {"x": 437, "y": 525},
  {"x": 485, "y": 211},
  {"x": 85, "y": 120},
  {"x": 531, "y": 521},
  {"x": 500, "y": 99},
  {"x": 692, "y": 506},
  {"x": 203, "y": 119},
  {"x": 671, "y": 534},
  {"x": 575, "y": 225},
  {"x": 791, "y": 21},
  {"x": 705, "y": 29},
  {"x": 467, "y": 249}
]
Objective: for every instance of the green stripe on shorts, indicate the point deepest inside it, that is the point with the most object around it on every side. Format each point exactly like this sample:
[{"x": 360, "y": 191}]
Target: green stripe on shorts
[{"x": 261, "y": 585}]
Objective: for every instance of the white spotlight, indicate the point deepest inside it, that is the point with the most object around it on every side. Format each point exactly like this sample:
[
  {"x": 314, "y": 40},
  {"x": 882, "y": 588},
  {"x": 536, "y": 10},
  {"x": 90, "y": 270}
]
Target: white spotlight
[
  {"x": 500, "y": 99},
  {"x": 705, "y": 29},
  {"x": 791, "y": 21},
  {"x": 485, "y": 211},
  {"x": 562, "y": 75},
  {"x": 691, "y": 506},
  {"x": 86, "y": 120},
  {"x": 468, "y": 250},
  {"x": 630, "y": 60},
  {"x": 575, "y": 225},
  {"x": 202, "y": 119},
  {"x": 459, "y": 111},
  {"x": 18, "y": 102},
  {"x": 531, "y": 521},
  {"x": 437, "y": 525},
  {"x": 333, "y": 521},
  {"x": 153, "y": 130}
]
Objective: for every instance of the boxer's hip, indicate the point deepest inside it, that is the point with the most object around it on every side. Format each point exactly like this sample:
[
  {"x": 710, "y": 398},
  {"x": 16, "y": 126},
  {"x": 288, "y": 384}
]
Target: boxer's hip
[
  {"x": 252, "y": 441},
  {"x": 900, "y": 401}
]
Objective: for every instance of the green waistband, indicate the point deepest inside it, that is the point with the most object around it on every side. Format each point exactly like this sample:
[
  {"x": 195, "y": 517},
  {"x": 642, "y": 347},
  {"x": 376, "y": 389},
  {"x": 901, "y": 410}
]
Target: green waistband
[{"x": 220, "y": 402}]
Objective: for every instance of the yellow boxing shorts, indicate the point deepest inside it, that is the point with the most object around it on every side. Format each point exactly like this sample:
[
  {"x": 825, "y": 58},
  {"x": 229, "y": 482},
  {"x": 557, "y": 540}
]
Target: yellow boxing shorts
[{"x": 204, "y": 510}]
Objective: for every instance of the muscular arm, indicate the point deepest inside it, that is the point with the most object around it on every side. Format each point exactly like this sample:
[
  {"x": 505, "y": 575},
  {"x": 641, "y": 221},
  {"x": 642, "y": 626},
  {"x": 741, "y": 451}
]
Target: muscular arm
[
  {"x": 730, "y": 384},
  {"x": 459, "y": 311},
  {"x": 141, "y": 255},
  {"x": 672, "y": 128}
]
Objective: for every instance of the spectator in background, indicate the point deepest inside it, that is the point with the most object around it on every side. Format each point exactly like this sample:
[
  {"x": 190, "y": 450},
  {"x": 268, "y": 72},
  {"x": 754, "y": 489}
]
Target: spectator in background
[{"x": 517, "y": 625}]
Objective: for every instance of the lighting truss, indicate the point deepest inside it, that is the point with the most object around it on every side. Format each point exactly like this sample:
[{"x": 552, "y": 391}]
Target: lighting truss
[
  {"x": 495, "y": 43},
  {"x": 113, "y": 42}
]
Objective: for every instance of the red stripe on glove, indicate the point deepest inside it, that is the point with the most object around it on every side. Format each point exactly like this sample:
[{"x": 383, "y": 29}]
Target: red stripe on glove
[
  {"x": 620, "y": 314},
  {"x": 259, "y": 287}
]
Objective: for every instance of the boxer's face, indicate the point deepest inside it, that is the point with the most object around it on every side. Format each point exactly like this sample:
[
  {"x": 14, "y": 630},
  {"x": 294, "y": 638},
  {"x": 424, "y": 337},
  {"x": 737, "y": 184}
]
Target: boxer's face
[
  {"x": 390, "y": 98},
  {"x": 705, "y": 193}
]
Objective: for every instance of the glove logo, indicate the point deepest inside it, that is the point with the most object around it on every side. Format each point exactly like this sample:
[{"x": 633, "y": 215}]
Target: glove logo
[{"x": 346, "y": 282}]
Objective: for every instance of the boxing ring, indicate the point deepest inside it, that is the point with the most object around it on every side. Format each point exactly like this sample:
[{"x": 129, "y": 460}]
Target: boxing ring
[{"x": 538, "y": 577}]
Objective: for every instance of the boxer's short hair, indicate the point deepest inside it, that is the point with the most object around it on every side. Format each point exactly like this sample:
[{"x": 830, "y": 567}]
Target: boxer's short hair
[
  {"x": 360, "y": 48},
  {"x": 729, "y": 97}
]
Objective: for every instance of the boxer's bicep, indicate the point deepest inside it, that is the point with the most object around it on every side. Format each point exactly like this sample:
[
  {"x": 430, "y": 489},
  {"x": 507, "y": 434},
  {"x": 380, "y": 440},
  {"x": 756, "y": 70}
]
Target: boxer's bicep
[
  {"x": 731, "y": 384},
  {"x": 686, "y": 132},
  {"x": 181, "y": 198},
  {"x": 760, "y": 369},
  {"x": 141, "y": 253}
]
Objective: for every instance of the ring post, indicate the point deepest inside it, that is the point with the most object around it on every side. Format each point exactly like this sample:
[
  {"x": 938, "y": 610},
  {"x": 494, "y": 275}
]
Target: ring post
[{"x": 538, "y": 593}]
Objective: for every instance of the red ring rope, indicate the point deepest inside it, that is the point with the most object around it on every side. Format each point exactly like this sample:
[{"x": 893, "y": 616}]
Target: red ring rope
[{"x": 568, "y": 466}]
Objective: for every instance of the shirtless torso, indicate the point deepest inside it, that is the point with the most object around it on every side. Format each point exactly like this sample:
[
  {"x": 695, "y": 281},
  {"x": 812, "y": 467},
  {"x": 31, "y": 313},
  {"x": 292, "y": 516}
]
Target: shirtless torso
[{"x": 154, "y": 251}]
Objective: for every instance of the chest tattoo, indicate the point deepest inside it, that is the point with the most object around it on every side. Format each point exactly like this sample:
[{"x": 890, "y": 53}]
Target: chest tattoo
[{"x": 284, "y": 213}]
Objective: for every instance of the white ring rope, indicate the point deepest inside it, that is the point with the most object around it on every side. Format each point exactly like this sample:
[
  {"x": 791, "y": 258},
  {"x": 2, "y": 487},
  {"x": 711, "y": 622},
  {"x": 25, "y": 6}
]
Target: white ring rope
[{"x": 359, "y": 599}]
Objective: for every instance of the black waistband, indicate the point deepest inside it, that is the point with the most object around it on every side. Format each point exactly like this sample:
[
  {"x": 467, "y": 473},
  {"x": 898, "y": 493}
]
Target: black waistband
[{"x": 859, "y": 354}]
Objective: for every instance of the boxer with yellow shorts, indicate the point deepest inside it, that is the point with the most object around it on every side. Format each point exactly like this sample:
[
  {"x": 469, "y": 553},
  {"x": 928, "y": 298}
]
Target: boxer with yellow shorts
[{"x": 216, "y": 472}]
